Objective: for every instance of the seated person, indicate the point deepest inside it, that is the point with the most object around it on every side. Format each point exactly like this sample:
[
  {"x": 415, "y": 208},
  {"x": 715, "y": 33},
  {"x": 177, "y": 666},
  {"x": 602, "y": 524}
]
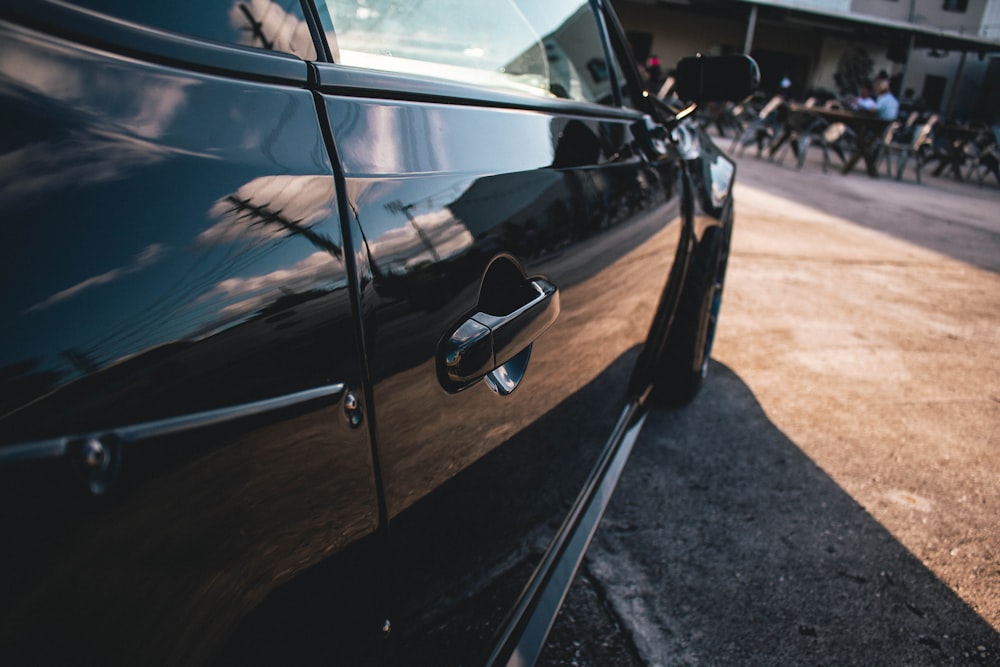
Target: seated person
[
  {"x": 864, "y": 100},
  {"x": 886, "y": 104}
]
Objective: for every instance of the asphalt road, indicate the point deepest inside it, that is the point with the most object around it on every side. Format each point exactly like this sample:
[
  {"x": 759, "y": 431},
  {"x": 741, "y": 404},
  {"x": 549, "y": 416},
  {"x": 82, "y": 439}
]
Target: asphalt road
[{"x": 832, "y": 497}]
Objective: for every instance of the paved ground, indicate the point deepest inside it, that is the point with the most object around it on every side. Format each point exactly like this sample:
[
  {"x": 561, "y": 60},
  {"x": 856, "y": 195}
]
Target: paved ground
[{"x": 833, "y": 495}]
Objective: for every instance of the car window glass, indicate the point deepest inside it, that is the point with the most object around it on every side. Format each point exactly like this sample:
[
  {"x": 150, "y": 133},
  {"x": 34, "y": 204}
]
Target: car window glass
[
  {"x": 276, "y": 25},
  {"x": 550, "y": 49}
]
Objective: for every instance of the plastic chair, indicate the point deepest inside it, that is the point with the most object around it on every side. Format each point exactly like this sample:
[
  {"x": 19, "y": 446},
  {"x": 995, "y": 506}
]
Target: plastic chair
[
  {"x": 759, "y": 130},
  {"x": 911, "y": 141},
  {"x": 835, "y": 137},
  {"x": 984, "y": 158}
]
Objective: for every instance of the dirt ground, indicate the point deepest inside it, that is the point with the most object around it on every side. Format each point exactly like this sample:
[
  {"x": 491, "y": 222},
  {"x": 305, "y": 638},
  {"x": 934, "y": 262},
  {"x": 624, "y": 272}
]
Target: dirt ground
[{"x": 833, "y": 494}]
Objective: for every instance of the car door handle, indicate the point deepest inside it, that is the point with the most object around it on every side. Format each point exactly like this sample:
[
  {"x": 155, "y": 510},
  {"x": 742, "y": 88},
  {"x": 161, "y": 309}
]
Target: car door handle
[{"x": 486, "y": 341}]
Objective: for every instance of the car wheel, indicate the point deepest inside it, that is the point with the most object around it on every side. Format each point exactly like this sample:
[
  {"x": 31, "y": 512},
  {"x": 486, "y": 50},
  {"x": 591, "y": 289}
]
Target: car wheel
[{"x": 684, "y": 365}]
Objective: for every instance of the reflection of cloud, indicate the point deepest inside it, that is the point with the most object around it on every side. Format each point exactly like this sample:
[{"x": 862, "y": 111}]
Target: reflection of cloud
[
  {"x": 148, "y": 256},
  {"x": 95, "y": 157},
  {"x": 299, "y": 200},
  {"x": 157, "y": 107},
  {"x": 426, "y": 235},
  {"x": 106, "y": 144},
  {"x": 146, "y": 105},
  {"x": 265, "y": 24},
  {"x": 246, "y": 295},
  {"x": 40, "y": 72}
]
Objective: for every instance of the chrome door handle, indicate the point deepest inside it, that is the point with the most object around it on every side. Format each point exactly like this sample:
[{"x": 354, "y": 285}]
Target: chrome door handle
[{"x": 485, "y": 341}]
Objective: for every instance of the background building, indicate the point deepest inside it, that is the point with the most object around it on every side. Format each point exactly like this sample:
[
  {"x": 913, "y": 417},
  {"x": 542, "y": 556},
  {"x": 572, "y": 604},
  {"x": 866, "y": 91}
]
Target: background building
[{"x": 947, "y": 52}]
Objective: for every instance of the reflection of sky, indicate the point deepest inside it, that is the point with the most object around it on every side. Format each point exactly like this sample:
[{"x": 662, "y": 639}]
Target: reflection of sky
[
  {"x": 111, "y": 194},
  {"x": 145, "y": 258},
  {"x": 280, "y": 22},
  {"x": 444, "y": 31},
  {"x": 495, "y": 32},
  {"x": 464, "y": 40},
  {"x": 440, "y": 138},
  {"x": 444, "y": 214},
  {"x": 548, "y": 16},
  {"x": 400, "y": 239},
  {"x": 432, "y": 236},
  {"x": 284, "y": 31},
  {"x": 184, "y": 289},
  {"x": 235, "y": 298},
  {"x": 303, "y": 199},
  {"x": 88, "y": 149},
  {"x": 448, "y": 152}
]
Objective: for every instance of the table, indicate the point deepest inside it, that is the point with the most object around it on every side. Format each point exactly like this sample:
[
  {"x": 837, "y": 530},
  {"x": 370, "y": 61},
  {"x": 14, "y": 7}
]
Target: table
[{"x": 868, "y": 131}]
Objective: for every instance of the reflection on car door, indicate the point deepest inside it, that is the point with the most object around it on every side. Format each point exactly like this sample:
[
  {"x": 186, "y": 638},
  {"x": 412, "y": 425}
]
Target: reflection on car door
[
  {"x": 178, "y": 348},
  {"x": 464, "y": 199}
]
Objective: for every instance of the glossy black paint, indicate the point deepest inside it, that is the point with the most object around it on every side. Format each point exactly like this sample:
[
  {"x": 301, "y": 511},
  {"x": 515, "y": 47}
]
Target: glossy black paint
[
  {"x": 230, "y": 279},
  {"x": 171, "y": 247},
  {"x": 477, "y": 186},
  {"x": 152, "y": 41}
]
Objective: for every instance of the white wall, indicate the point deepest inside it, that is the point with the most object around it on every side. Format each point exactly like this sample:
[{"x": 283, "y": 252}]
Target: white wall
[
  {"x": 825, "y": 5},
  {"x": 973, "y": 72},
  {"x": 990, "y": 26},
  {"x": 924, "y": 12}
]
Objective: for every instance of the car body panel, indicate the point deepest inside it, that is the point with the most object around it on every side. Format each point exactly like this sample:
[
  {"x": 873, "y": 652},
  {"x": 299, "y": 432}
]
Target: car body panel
[
  {"x": 173, "y": 288},
  {"x": 231, "y": 283},
  {"x": 561, "y": 195}
]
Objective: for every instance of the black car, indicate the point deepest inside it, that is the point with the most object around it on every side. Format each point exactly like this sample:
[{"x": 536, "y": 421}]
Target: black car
[{"x": 327, "y": 327}]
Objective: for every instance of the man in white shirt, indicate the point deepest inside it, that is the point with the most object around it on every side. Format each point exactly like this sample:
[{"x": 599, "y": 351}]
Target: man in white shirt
[{"x": 864, "y": 101}]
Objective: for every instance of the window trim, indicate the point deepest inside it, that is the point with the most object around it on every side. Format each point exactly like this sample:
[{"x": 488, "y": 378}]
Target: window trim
[
  {"x": 609, "y": 52},
  {"x": 349, "y": 81},
  {"x": 96, "y": 30},
  {"x": 614, "y": 33}
]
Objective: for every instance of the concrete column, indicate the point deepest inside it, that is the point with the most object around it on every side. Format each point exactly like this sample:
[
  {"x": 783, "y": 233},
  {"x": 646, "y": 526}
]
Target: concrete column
[
  {"x": 906, "y": 65},
  {"x": 950, "y": 107},
  {"x": 751, "y": 26}
]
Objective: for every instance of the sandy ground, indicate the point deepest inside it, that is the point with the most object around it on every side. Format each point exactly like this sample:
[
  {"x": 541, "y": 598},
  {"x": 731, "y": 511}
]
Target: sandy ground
[{"x": 833, "y": 494}]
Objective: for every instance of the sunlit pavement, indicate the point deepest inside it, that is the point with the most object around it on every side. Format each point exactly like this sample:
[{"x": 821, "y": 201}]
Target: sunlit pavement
[{"x": 832, "y": 496}]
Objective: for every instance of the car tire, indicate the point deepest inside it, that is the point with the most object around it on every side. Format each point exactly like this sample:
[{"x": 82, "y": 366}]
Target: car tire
[{"x": 684, "y": 365}]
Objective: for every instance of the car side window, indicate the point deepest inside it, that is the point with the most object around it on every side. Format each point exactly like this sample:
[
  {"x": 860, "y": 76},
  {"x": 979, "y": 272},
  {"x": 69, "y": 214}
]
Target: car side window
[
  {"x": 274, "y": 25},
  {"x": 547, "y": 49}
]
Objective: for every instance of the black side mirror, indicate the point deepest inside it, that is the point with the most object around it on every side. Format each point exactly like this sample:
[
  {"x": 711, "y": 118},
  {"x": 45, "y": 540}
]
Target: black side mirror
[{"x": 716, "y": 78}]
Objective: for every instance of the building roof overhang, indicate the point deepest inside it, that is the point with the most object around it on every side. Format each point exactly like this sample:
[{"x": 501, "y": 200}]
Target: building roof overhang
[{"x": 924, "y": 36}]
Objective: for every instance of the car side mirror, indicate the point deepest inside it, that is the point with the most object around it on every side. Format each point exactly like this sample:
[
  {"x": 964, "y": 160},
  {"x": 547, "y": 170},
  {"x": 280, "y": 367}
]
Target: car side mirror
[{"x": 716, "y": 78}]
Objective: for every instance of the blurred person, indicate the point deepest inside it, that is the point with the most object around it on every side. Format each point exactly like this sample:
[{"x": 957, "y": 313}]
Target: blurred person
[
  {"x": 886, "y": 104},
  {"x": 654, "y": 73},
  {"x": 864, "y": 100}
]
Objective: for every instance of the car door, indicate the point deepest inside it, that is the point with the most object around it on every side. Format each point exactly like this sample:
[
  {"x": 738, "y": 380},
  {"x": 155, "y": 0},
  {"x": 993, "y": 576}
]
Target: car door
[
  {"x": 182, "y": 427},
  {"x": 515, "y": 235}
]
